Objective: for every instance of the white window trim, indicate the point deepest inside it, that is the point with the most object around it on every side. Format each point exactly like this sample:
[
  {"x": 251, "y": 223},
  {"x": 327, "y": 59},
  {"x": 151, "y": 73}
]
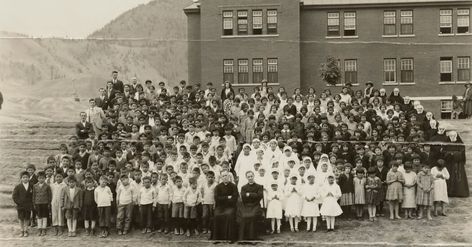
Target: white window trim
[{"x": 250, "y": 36}]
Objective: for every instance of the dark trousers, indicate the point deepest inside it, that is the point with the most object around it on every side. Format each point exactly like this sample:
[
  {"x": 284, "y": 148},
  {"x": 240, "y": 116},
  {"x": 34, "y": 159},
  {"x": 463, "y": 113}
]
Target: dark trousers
[{"x": 146, "y": 215}]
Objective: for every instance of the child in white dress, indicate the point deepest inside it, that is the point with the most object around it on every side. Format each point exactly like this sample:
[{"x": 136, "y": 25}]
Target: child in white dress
[
  {"x": 409, "y": 191},
  {"x": 440, "y": 175},
  {"x": 310, "y": 208},
  {"x": 293, "y": 203},
  {"x": 330, "y": 208},
  {"x": 274, "y": 206}
]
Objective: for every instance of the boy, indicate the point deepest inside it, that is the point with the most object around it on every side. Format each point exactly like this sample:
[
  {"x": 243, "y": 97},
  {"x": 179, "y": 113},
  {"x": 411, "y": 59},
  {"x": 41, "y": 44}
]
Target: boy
[
  {"x": 146, "y": 199},
  {"x": 71, "y": 203},
  {"x": 163, "y": 203},
  {"x": 191, "y": 198},
  {"x": 103, "y": 198},
  {"x": 23, "y": 198},
  {"x": 125, "y": 196},
  {"x": 177, "y": 200},
  {"x": 89, "y": 207},
  {"x": 42, "y": 197},
  {"x": 208, "y": 201},
  {"x": 57, "y": 215}
]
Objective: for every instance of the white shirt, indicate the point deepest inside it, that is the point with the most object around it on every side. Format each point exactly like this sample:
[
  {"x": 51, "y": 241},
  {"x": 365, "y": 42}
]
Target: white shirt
[
  {"x": 177, "y": 194},
  {"x": 103, "y": 196},
  {"x": 163, "y": 194},
  {"x": 26, "y": 185},
  {"x": 125, "y": 194},
  {"x": 208, "y": 196},
  {"x": 147, "y": 196}
]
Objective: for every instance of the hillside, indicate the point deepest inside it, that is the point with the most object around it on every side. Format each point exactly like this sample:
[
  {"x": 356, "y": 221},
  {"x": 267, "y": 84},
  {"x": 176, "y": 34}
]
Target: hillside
[{"x": 159, "y": 19}]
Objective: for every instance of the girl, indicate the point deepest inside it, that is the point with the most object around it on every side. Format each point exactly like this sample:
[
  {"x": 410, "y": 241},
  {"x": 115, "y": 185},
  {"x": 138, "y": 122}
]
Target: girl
[
  {"x": 424, "y": 193},
  {"x": 346, "y": 183},
  {"x": 372, "y": 187},
  {"x": 293, "y": 203},
  {"x": 274, "y": 206},
  {"x": 330, "y": 207},
  {"x": 394, "y": 195},
  {"x": 56, "y": 210},
  {"x": 42, "y": 197},
  {"x": 103, "y": 198},
  {"x": 310, "y": 208},
  {"x": 409, "y": 190},
  {"x": 71, "y": 202},
  {"x": 359, "y": 192},
  {"x": 89, "y": 206},
  {"x": 23, "y": 198},
  {"x": 440, "y": 175}
]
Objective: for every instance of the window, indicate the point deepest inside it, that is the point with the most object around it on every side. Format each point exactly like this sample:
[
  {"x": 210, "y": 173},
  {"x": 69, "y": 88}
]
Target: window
[
  {"x": 349, "y": 23},
  {"x": 242, "y": 22},
  {"x": 272, "y": 70},
  {"x": 257, "y": 70},
  {"x": 257, "y": 22},
  {"x": 445, "y": 69},
  {"x": 463, "y": 20},
  {"x": 243, "y": 71},
  {"x": 227, "y": 22},
  {"x": 272, "y": 21},
  {"x": 228, "y": 70},
  {"x": 406, "y": 22},
  {"x": 446, "y": 109},
  {"x": 390, "y": 70},
  {"x": 333, "y": 24},
  {"x": 406, "y": 67},
  {"x": 463, "y": 68},
  {"x": 445, "y": 21},
  {"x": 350, "y": 71},
  {"x": 390, "y": 23}
]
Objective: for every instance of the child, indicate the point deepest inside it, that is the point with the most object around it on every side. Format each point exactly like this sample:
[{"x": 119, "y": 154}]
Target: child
[
  {"x": 163, "y": 203},
  {"x": 89, "y": 210},
  {"x": 71, "y": 203},
  {"x": 394, "y": 195},
  {"x": 56, "y": 210},
  {"x": 330, "y": 207},
  {"x": 192, "y": 197},
  {"x": 440, "y": 175},
  {"x": 424, "y": 193},
  {"x": 23, "y": 198},
  {"x": 208, "y": 201},
  {"x": 274, "y": 206},
  {"x": 372, "y": 186},
  {"x": 177, "y": 200},
  {"x": 409, "y": 191},
  {"x": 31, "y": 169},
  {"x": 293, "y": 203},
  {"x": 125, "y": 196},
  {"x": 103, "y": 198},
  {"x": 42, "y": 197},
  {"x": 359, "y": 192},
  {"x": 310, "y": 208},
  {"x": 346, "y": 183},
  {"x": 146, "y": 200}
]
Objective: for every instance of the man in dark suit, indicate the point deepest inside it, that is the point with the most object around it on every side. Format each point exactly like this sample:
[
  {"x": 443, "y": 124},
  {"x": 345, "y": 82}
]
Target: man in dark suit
[
  {"x": 117, "y": 84},
  {"x": 102, "y": 101},
  {"x": 83, "y": 128}
]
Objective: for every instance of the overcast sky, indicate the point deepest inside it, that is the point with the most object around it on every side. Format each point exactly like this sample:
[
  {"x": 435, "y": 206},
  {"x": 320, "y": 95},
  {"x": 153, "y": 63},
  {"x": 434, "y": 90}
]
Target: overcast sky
[{"x": 60, "y": 18}]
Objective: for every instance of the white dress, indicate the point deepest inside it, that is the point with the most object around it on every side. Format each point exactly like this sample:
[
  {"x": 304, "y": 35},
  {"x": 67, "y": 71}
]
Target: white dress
[
  {"x": 330, "y": 206},
  {"x": 409, "y": 194},
  {"x": 440, "y": 186},
  {"x": 310, "y": 208},
  {"x": 293, "y": 200},
  {"x": 56, "y": 211},
  {"x": 274, "y": 206}
]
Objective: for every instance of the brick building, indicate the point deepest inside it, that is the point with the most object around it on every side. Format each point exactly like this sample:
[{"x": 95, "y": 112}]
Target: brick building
[{"x": 422, "y": 47}]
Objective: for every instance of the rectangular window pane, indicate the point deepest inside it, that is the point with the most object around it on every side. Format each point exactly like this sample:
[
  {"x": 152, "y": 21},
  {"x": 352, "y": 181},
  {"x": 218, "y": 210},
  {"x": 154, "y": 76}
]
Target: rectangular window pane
[
  {"x": 463, "y": 20},
  {"x": 445, "y": 21},
  {"x": 257, "y": 22},
  {"x": 349, "y": 23},
  {"x": 257, "y": 70},
  {"x": 406, "y": 22},
  {"x": 463, "y": 68},
  {"x": 242, "y": 22},
  {"x": 333, "y": 24},
  {"x": 243, "y": 71},
  {"x": 390, "y": 70},
  {"x": 445, "y": 68},
  {"x": 350, "y": 71},
  {"x": 406, "y": 67},
  {"x": 228, "y": 70},
  {"x": 272, "y": 21},
  {"x": 272, "y": 70},
  {"x": 390, "y": 22},
  {"x": 227, "y": 22}
]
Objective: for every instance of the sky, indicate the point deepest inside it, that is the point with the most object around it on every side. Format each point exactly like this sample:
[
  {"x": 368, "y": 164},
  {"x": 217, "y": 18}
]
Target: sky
[{"x": 60, "y": 18}]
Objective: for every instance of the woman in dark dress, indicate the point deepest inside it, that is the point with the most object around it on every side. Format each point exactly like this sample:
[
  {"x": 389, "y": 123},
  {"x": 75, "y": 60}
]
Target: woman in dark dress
[
  {"x": 226, "y": 197},
  {"x": 226, "y": 91},
  {"x": 457, "y": 185}
]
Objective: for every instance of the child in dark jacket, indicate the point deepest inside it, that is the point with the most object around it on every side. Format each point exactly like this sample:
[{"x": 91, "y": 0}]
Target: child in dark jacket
[
  {"x": 23, "y": 198},
  {"x": 42, "y": 197}
]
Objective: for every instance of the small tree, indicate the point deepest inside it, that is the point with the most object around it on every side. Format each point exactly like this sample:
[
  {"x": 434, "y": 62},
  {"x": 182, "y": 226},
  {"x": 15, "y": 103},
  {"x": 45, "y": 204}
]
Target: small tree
[{"x": 330, "y": 71}]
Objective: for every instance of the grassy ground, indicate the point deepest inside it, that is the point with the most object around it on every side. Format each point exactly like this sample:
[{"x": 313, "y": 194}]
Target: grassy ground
[{"x": 32, "y": 142}]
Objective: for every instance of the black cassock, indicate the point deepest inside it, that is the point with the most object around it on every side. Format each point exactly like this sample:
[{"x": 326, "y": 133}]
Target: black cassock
[
  {"x": 224, "y": 223},
  {"x": 454, "y": 155},
  {"x": 250, "y": 211}
]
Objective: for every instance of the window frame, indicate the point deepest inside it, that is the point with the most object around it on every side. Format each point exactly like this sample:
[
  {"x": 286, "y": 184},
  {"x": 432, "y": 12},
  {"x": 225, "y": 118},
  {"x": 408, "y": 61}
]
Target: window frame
[
  {"x": 242, "y": 18},
  {"x": 243, "y": 75},
  {"x": 460, "y": 70},
  {"x": 403, "y": 17},
  {"x": 351, "y": 73},
  {"x": 338, "y": 18},
  {"x": 390, "y": 25},
  {"x": 443, "y": 29},
  {"x": 466, "y": 27},
  {"x": 271, "y": 72},
  {"x": 227, "y": 74},
  {"x": 257, "y": 70},
  {"x": 451, "y": 66},
  {"x": 272, "y": 21},
  {"x": 226, "y": 31},
  {"x": 260, "y": 23},
  {"x": 388, "y": 72},
  {"x": 344, "y": 24},
  {"x": 404, "y": 71}
]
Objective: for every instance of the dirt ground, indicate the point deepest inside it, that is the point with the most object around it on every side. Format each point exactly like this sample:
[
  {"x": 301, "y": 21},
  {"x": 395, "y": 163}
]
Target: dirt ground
[{"x": 31, "y": 142}]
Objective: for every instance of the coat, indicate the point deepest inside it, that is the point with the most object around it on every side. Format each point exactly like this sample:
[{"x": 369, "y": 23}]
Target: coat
[
  {"x": 77, "y": 199},
  {"x": 23, "y": 198},
  {"x": 82, "y": 130}
]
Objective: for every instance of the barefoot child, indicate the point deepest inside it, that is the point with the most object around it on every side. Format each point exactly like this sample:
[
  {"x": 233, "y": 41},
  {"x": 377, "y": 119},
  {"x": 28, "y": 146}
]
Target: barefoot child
[
  {"x": 409, "y": 191},
  {"x": 274, "y": 206},
  {"x": 394, "y": 195},
  {"x": 310, "y": 208},
  {"x": 71, "y": 203},
  {"x": 330, "y": 207},
  {"x": 42, "y": 197},
  {"x": 372, "y": 197},
  {"x": 424, "y": 192},
  {"x": 23, "y": 198},
  {"x": 440, "y": 175}
]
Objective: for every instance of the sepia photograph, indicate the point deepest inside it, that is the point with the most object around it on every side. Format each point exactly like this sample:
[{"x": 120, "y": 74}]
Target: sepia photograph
[{"x": 235, "y": 122}]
